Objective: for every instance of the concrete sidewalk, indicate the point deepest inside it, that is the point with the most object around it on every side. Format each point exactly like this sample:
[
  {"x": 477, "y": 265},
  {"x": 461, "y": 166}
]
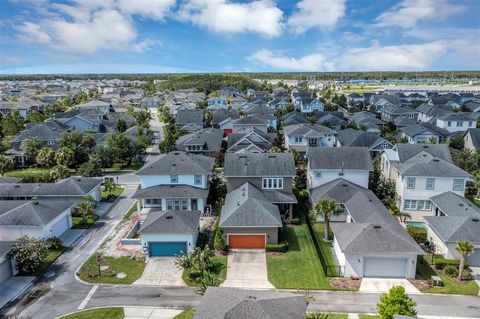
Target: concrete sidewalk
[
  {"x": 150, "y": 313},
  {"x": 13, "y": 287}
]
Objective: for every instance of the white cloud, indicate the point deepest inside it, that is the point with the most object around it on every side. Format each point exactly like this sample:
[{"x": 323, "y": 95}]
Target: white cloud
[
  {"x": 224, "y": 16},
  {"x": 376, "y": 57},
  {"x": 156, "y": 9},
  {"x": 145, "y": 45},
  {"x": 311, "y": 62},
  {"x": 323, "y": 14},
  {"x": 34, "y": 33},
  {"x": 407, "y": 13}
]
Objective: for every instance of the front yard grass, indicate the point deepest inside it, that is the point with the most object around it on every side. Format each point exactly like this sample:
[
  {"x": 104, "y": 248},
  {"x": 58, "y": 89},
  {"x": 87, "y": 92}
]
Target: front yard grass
[
  {"x": 473, "y": 199},
  {"x": 100, "y": 313},
  {"x": 135, "y": 166},
  {"x": 327, "y": 316},
  {"x": 360, "y": 316},
  {"x": 131, "y": 267},
  {"x": 450, "y": 286},
  {"x": 187, "y": 314},
  {"x": 78, "y": 221},
  {"x": 130, "y": 212},
  {"x": 220, "y": 268},
  {"x": 325, "y": 247},
  {"x": 115, "y": 194},
  {"x": 301, "y": 260}
]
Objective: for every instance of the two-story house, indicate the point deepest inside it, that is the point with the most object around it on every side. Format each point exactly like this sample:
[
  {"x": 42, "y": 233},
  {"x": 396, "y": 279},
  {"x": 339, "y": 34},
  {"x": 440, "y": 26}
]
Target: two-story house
[
  {"x": 471, "y": 139},
  {"x": 458, "y": 122},
  {"x": 176, "y": 181},
  {"x": 350, "y": 137},
  {"x": 301, "y": 137},
  {"x": 421, "y": 172},
  {"x": 216, "y": 103},
  {"x": 389, "y": 113},
  {"x": 259, "y": 189},
  {"x": 327, "y": 164},
  {"x": 250, "y": 140},
  {"x": 424, "y": 133},
  {"x": 207, "y": 141}
]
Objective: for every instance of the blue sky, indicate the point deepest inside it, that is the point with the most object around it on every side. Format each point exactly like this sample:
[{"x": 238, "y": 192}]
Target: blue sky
[{"x": 147, "y": 36}]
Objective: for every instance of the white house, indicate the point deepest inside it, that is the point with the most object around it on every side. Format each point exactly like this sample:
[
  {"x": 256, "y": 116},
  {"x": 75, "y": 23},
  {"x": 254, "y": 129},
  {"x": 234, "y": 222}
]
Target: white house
[
  {"x": 327, "y": 164},
  {"x": 457, "y": 122},
  {"x": 169, "y": 232},
  {"x": 41, "y": 219},
  {"x": 421, "y": 172},
  {"x": 7, "y": 265},
  {"x": 368, "y": 241},
  {"x": 301, "y": 137},
  {"x": 176, "y": 181}
]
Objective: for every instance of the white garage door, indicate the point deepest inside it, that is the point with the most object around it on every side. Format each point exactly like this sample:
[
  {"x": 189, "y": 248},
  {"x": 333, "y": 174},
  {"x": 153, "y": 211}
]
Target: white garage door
[
  {"x": 60, "y": 227},
  {"x": 474, "y": 259},
  {"x": 385, "y": 267},
  {"x": 5, "y": 270}
]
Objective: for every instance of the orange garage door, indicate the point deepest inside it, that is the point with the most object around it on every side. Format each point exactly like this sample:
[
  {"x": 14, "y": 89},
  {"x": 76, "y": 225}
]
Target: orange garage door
[{"x": 246, "y": 241}]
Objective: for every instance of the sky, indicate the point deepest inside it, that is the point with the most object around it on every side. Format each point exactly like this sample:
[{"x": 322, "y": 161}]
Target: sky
[{"x": 170, "y": 36}]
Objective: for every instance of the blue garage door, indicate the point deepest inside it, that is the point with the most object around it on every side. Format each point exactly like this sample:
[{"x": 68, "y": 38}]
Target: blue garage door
[{"x": 167, "y": 249}]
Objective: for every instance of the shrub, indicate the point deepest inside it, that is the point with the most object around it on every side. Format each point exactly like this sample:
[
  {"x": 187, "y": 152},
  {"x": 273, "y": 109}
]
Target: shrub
[
  {"x": 295, "y": 221},
  {"x": 218, "y": 241},
  {"x": 441, "y": 263},
  {"x": 278, "y": 248},
  {"x": 54, "y": 243},
  {"x": 419, "y": 234},
  {"x": 451, "y": 271}
]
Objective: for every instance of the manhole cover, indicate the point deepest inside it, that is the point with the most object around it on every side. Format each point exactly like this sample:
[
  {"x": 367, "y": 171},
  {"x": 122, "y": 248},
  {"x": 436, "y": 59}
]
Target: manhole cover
[
  {"x": 121, "y": 275},
  {"x": 49, "y": 274}
]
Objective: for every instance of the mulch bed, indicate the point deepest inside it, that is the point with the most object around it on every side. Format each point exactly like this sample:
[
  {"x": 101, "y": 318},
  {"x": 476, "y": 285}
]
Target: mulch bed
[
  {"x": 346, "y": 283},
  {"x": 219, "y": 253},
  {"x": 273, "y": 254},
  {"x": 420, "y": 284}
]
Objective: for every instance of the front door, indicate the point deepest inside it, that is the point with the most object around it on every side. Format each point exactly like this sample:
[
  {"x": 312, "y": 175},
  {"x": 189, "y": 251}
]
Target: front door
[{"x": 193, "y": 203}]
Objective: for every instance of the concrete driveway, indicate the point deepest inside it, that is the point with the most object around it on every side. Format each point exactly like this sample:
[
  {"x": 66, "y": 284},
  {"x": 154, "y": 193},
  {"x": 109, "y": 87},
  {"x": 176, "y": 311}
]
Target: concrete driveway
[
  {"x": 247, "y": 268},
  {"x": 161, "y": 271},
  {"x": 149, "y": 313},
  {"x": 378, "y": 285}
]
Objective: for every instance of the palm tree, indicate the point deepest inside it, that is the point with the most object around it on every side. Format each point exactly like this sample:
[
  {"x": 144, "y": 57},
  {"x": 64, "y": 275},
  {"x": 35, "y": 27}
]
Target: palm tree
[
  {"x": 275, "y": 149},
  {"x": 327, "y": 208},
  {"x": 464, "y": 248},
  {"x": 86, "y": 207}
]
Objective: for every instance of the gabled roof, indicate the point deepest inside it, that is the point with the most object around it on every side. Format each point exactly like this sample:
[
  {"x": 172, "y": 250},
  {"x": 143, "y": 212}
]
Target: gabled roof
[
  {"x": 178, "y": 162},
  {"x": 474, "y": 134},
  {"x": 189, "y": 117},
  {"x": 72, "y": 186},
  {"x": 452, "y": 204},
  {"x": 259, "y": 164},
  {"x": 307, "y": 129},
  {"x": 455, "y": 228},
  {"x": 248, "y": 206},
  {"x": 350, "y": 158},
  {"x": 252, "y": 136},
  {"x": 210, "y": 138},
  {"x": 425, "y": 164},
  {"x": 171, "y": 222},
  {"x": 460, "y": 116},
  {"x": 294, "y": 117},
  {"x": 32, "y": 213},
  {"x": 357, "y": 138},
  {"x": 420, "y": 128},
  {"x": 406, "y": 151},
  {"x": 251, "y": 120},
  {"x": 232, "y": 303},
  {"x": 42, "y": 131},
  {"x": 171, "y": 191},
  {"x": 221, "y": 115}
]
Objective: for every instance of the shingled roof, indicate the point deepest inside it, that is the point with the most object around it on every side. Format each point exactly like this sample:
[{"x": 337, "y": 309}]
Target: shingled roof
[
  {"x": 259, "y": 164},
  {"x": 171, "y": 222},
  {"x": 231, "y": 303},
  {"x": 354, "y": 158},
  {"x": 32, "y": 213},
  {"x": 178, "y": 162}
]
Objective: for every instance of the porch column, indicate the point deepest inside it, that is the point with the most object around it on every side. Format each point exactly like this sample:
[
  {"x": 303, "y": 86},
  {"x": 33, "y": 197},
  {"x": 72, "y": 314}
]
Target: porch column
[
  {"x": 290, "y": 211},
  {"x": 139, "y": 208}
]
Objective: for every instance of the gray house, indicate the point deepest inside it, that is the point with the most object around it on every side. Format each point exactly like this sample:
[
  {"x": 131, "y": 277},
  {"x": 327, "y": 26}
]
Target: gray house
[
  {"x": 190, "y": 120},
  {"x": 250, "y": 141},
  {"x": 207, "y": 141}
]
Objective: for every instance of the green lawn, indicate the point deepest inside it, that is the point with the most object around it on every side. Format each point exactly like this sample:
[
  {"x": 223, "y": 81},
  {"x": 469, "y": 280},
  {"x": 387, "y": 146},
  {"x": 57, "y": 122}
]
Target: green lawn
[
  {"x": 115, "y": 194},
  {"x": 450, "y": 286},
  {"x": 326, "y": 247},
  {"x": 130, "y": 212},
  {"x": 360, "y": 316},
  {"x": 119, "y": 167},
  {"x": 220, "y": 269},
  {"x": 187, "y": 314},
  {"x": 100, "y": 313},
  {"x": 299, "y": 267},
  {"x": 132, "y": 267},
  {"x": 20, "y": 172},
  {"x": 78, "y": 221},
  {"x": 472, "y": 198}
]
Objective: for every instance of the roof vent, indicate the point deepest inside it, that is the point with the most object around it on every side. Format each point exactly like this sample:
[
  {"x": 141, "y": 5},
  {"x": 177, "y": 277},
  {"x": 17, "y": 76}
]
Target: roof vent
[
  {"x": 475, "y": 220},
  {"x": 238, "y": 203},
  {"x": 345, "y": 185},
  {"x": 272, "y": 156},
  {"x": 436, "y": 160},
  {"x": 16, "y": 186},
  {"x": 377, "y": 227},
  {"x": 250, "y": 297},
  {"x": 35, "y": 203},
  {"x": 176, "y": 153},
  {"x": 425, "y": 146},
  {"x": 169, "y": 217},
  {"x": 461, "y": 205}
]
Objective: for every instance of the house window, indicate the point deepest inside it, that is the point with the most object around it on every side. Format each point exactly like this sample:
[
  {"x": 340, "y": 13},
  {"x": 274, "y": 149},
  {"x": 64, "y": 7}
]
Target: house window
[
  {"x": 198, "y": 179},
  {"x": 341, "y": 174},
  {"x": 148, "y": 201},
  {"x": 449, "y": 123},
  {"x": 155, "y": 200},
  {"x": 412, "y": 204},
  {"x": 272, "y": 183},
  {"x": 430, "y": 183},
  {"x": 173, "y": 179},
  {"x": 470, "y": 124},
  {"x": 177, "y": 204},
  {"x": 313, "y": 141},
  {"x": 51, "y": 142},
  {"x": 318, "y": 174},
  {"x": 458, "y": 184},
  {"x": 298, "y": 139},
  {"x": 411, "y": 182},
  {"x": 459, "y": 123}
]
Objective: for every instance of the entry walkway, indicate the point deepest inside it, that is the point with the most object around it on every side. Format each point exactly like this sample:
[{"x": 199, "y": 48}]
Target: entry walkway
[
  {"x": 150, "y": 313},
  {"x": 247, "y": 268}
]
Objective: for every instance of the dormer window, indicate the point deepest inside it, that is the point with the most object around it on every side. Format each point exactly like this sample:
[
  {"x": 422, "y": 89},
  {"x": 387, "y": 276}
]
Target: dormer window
[{"x": 173, "y": 179}]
